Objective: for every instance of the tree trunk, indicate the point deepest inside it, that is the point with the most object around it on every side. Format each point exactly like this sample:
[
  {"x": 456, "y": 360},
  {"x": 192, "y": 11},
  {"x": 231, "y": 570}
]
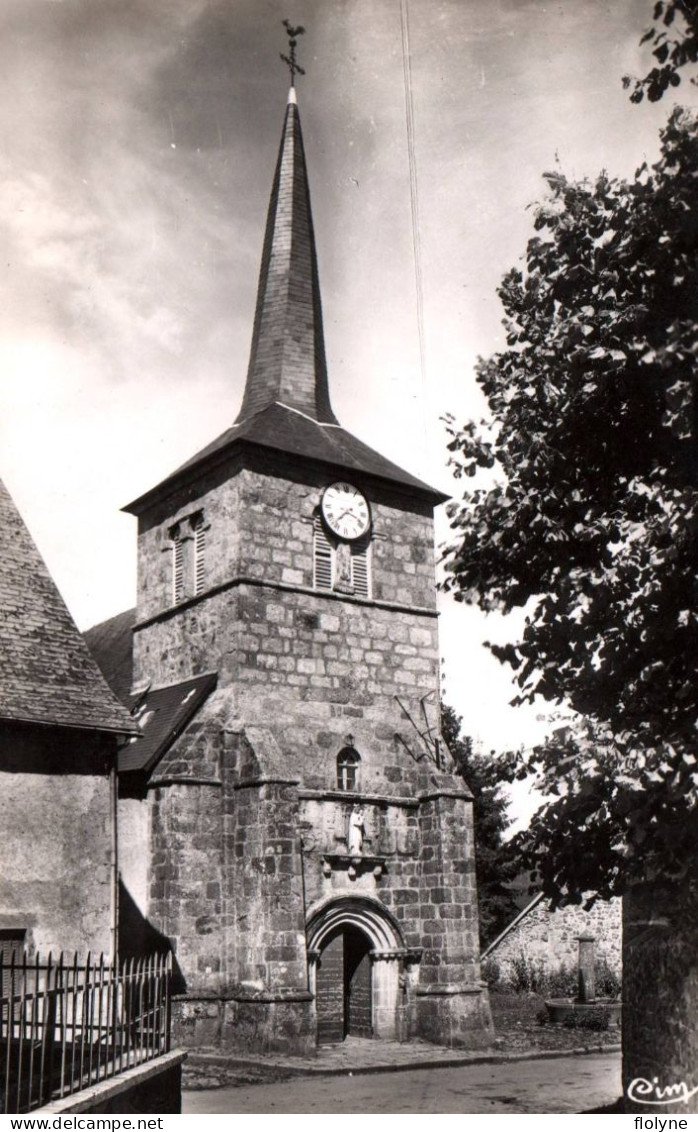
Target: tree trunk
[{"x": 660, "y": 999}]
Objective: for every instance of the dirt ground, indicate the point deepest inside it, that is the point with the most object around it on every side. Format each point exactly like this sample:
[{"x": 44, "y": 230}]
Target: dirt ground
[
  {"x": 517, "y": 1028},
  {"x": 565, "y": 1085}
]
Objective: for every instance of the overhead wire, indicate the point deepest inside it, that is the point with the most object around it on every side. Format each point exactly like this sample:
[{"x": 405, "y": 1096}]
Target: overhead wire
[{"x": 414, "y": 196}]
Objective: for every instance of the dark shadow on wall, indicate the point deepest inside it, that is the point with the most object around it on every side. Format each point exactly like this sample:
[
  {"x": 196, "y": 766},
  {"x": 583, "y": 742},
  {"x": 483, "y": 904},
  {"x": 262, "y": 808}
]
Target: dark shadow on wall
[{"x": 138, "y": 937}]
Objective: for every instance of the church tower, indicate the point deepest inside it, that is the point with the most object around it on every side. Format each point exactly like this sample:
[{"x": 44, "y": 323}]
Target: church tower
[{"x": 291, "y": 823}]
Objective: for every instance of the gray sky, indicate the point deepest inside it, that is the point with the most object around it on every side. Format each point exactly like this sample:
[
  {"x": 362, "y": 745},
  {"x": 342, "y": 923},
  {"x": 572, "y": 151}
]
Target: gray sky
[{"x": 137, "y": 145}]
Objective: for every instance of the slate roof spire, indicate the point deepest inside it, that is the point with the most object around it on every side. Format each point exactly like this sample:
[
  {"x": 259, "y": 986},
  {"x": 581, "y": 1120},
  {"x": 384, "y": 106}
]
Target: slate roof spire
[
  {"x": 287, "y": 360},
  {"x": 286, "y": 405},
  {"x": 47, "y": 674}
]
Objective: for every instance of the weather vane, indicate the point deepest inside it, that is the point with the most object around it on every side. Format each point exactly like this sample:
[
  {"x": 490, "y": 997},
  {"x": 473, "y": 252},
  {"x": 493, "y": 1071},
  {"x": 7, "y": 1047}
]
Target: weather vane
[{"x": 290, "y": 59}]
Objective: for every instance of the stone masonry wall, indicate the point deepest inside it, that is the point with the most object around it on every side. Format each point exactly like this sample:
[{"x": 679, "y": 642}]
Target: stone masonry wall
[
  {"x": 319, "y": 666},
  {"x": 316, "y": 670},
  {"x": 260, "y": 525},
  {"x": 272, "y": 1007},
  {"x": 551, "y": 938},
  {"x": 420, "y": 868},
  {"x": 185, "y": 900},
  {"x": 392, "y": 833}
]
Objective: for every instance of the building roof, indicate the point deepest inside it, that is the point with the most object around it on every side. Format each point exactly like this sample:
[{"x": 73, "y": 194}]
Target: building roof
[
  {"x": 513, "y": 924},
  {"x": 158, "y": 714},
  {"x": 111, "y": 644},
  {"x": 47, "y": 673},
  {"x": 286, "y": 430},
  {"x": 162, "y": 715},
  {"x": 286, "y": 404}
]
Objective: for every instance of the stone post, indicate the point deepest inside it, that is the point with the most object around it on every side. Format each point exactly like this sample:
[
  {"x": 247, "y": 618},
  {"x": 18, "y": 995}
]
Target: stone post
[
  {"x": 586, "y": 972},
  {"x": 388, "y": 995}
]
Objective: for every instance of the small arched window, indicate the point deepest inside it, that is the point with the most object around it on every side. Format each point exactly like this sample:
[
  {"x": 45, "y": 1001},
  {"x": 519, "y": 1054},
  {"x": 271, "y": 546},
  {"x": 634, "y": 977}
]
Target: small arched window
[{"x": 348, "y": 769}]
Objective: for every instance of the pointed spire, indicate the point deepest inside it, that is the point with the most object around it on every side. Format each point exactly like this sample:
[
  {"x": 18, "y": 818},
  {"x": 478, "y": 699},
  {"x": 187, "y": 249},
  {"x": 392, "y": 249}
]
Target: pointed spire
[
  {"x": 47, "y": 674},
  {"x": 287, "y": 359}
]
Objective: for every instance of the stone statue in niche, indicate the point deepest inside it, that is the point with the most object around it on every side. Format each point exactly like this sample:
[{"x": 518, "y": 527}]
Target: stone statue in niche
[{"x": 357, "y": 831}]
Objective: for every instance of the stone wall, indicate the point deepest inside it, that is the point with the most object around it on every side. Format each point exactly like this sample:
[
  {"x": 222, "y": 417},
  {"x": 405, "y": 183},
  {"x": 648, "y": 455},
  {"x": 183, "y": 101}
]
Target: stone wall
[
  {"x": 551, "y": 938},
  {"x": 134, "y": 868},
  {"x": 260, "y": 525},
  {"x": 154, "y": 1087},
  {"x": 55, "y": 815},
  {"x": 418, "y": 866},
  {"x": 278, "y": 851},
  {"x": 317, "y": 665},
  {"x": 186, "y": 863},
  {"x": 317, "y": 669}
]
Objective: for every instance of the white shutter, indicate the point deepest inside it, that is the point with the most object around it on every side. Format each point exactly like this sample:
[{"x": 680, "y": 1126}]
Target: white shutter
[
  {"x": 323, "y": 558},
  {"x": 361, "y": 567},
  {"x": 177, "y": 567},
  {"x": 199, "y": 553}
]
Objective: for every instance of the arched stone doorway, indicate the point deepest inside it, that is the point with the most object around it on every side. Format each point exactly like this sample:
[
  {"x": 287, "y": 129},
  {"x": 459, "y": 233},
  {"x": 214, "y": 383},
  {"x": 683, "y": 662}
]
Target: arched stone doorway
[
  {"x": 356, "y": 960},
  {"x": 344, "y": 986}
]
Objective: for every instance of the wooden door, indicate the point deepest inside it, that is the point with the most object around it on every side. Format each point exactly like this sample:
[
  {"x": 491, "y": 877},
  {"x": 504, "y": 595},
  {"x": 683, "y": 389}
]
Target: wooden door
[
  {"x": 329, "y": 991},
  {"x": 358, "y": 1005}
]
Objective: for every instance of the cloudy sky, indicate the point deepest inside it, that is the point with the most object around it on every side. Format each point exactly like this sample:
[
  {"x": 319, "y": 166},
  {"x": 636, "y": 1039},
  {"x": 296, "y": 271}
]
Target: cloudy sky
[{"x": 137, "y": 146}]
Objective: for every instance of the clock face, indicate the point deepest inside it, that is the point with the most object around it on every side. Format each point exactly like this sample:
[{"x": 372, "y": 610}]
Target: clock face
[{"x": 345, "y": 511}]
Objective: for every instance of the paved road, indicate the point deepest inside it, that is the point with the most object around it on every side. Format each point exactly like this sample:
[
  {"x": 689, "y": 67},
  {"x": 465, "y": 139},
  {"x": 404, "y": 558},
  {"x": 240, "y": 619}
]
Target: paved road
[{"x": 562, "y": 1085}]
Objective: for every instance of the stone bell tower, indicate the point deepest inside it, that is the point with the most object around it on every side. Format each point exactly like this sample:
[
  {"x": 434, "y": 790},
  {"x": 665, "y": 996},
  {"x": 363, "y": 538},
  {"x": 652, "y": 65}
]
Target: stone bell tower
[{"x": 311, "y": 855}]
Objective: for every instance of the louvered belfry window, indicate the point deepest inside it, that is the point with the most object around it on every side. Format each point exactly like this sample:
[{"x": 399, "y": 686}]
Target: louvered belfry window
[
  {"x": 323, "y": 557},
  {"x": 188, "y": 538},
  {"x": 360, "y": 567},
  {"x": 199, "y": 553},
  {"x": 178, "y": 591},
  {"x": 325, "y": 561}
]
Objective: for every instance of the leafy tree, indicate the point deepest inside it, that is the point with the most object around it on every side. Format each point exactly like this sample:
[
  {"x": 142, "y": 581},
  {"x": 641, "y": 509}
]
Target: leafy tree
[
  {"x": 494, "y": 862},
  {"x": 587, "y": 520},
  {"x": 674, "y": 45},
  {"x": 591, "y": 520}
]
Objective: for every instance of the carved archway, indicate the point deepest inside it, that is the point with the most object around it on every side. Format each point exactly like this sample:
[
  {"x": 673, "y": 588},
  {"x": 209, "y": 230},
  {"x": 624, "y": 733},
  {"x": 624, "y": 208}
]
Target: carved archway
[
  {"x": 362, "y": 912},
  {"x": 334, "y": 930}
]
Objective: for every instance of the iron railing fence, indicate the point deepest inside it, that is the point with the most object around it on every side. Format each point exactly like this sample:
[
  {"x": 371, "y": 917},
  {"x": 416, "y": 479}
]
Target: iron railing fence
[{"x": 67, "y": 1025}]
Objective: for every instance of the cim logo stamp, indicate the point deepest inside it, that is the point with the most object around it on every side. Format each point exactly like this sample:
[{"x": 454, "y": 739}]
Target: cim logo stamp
[{"x": 642, "y": 1091}]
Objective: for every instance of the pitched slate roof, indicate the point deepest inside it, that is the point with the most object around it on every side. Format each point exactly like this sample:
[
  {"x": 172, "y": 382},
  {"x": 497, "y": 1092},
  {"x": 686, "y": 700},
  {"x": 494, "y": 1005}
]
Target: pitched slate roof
[
  {"x": 47, "y": 674},
  {"x": 162, "y": 714},
  {"x": 111, "y": 644},
  {"x": 286, "y": 404},
  {"x": 159, "y": 714},
  {"x": 287, "y": 430}
]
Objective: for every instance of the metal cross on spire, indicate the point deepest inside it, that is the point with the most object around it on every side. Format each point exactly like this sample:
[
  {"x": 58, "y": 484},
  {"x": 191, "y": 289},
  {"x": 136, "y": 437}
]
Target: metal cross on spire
[{"x": 290, "y": 59}]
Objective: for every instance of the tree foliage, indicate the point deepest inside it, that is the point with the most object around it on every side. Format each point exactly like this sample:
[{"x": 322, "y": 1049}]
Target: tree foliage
[
  {"x": 494, "y": 862},
  {"x": 588, "y": 516},
  {"x": 674, "y": 39}
]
